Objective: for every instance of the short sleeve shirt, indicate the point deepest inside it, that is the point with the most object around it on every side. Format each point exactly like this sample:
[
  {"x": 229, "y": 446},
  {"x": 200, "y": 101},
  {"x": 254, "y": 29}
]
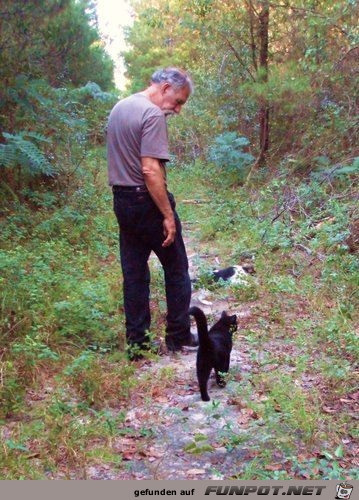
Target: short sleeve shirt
[{"x": 136, "y": 128}]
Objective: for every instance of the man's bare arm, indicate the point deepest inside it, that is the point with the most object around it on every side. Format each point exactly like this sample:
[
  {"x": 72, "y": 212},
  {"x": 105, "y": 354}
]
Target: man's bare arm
[{"x": 155, "y": 182}]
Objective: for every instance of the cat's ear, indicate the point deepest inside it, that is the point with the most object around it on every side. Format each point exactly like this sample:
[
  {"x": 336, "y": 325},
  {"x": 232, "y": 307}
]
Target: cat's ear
[{"x": 224, "y": 315}]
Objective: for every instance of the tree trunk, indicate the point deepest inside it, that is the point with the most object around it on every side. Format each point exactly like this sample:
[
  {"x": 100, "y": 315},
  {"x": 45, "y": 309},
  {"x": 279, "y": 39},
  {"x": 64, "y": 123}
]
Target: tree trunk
[
  {"x": 253, "y": 46},
  {"x": 263, "y": 18}
]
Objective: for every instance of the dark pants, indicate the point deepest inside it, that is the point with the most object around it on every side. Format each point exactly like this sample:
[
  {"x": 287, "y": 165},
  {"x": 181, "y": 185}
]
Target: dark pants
[{"x": 141, "y": 231}]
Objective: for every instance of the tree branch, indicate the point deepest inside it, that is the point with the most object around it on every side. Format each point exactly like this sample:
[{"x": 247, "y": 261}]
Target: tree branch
[{"x": 238, "y": 57}]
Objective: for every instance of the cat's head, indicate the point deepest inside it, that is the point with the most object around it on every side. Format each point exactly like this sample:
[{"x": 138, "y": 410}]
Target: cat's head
[{"x": 230, "y": 321}]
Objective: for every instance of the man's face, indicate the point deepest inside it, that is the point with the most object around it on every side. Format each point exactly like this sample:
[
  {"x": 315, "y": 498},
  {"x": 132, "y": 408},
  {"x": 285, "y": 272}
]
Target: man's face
[{"x": 173, "y": 99}]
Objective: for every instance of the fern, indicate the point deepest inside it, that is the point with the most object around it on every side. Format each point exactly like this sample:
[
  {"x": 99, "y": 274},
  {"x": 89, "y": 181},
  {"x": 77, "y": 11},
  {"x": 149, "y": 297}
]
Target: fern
[
  {"x": 20, "y": 151},
  {"x": 38, "y": 137},
  {"x": 29, "y": 95}
]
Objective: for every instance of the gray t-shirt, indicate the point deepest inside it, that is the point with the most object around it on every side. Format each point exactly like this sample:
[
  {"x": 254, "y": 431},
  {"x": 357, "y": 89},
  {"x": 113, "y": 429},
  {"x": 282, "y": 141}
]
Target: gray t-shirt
[{"x": 136, "y": 128}]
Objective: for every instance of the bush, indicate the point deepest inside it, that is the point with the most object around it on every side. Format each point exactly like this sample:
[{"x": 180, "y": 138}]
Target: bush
[{"x": 227, "y": 152}]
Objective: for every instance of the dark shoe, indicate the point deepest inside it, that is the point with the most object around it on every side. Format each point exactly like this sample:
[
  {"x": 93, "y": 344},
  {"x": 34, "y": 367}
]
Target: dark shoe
[{"x": 191, "y": 342}]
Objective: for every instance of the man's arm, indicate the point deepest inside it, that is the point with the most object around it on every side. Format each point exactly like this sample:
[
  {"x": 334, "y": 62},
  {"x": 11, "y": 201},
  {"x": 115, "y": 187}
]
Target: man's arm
[{"x": 155, "y": 182}]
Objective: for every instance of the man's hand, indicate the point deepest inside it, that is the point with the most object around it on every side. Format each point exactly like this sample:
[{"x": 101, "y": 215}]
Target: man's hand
[{"x": 169, "y": 231}]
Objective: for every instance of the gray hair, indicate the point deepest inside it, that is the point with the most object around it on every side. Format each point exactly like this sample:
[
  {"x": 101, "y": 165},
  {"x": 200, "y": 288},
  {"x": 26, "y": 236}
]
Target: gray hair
[{"x": 174, "y": 76}]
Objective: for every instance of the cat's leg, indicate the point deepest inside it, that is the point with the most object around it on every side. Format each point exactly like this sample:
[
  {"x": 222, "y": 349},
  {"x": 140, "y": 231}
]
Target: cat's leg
[
  {"x": 221, "y": 370},
  {"x": 203, "y": 372},
  {"x": 220, "y": 378}
]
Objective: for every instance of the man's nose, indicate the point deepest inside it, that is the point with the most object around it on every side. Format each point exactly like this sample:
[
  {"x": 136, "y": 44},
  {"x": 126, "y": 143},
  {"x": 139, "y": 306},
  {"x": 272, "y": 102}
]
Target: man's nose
[{"x": 178, "y": 108}]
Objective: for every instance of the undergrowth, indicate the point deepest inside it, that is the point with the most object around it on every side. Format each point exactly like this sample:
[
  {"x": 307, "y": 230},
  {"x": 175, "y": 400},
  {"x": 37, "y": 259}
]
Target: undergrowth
[
  {"x": 304, "y": 297},
  {"x": 66, "y": 384}
]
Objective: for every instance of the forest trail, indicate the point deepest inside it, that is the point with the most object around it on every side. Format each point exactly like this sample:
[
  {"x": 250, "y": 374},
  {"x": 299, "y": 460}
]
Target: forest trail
[{"x": 187, "y": 435}]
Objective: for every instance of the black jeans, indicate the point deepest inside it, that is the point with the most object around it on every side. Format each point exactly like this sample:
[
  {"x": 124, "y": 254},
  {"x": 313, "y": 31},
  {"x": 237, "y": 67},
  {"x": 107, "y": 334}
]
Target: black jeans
[{"x": 141, "y": 231}]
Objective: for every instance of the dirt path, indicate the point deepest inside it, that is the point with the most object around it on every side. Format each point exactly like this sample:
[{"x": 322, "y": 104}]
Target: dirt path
[{"x": 187, "y": 435}]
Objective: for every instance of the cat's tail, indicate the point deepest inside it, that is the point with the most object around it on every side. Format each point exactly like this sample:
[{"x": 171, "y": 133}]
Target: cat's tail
[{"x": 202, "y": 326}]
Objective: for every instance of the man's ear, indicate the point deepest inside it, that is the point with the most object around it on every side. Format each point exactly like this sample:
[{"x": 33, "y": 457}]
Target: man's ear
[{"x": 164, "y": 87}]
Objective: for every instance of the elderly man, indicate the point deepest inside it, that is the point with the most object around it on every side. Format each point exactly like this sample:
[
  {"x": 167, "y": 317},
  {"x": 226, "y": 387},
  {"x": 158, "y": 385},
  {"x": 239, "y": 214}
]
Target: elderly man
[{"x": 137, "y": 146}]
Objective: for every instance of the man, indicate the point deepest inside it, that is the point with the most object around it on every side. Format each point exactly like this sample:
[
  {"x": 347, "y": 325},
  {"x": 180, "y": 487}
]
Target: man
[{"x": 137, "y": 151}]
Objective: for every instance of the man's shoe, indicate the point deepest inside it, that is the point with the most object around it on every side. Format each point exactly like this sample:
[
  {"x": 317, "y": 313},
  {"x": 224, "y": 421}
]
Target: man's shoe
[{"x": 191, "y": 342}]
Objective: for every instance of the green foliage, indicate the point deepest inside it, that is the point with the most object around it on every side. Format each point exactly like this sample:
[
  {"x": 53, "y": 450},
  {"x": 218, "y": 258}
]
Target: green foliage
[
  {"x": 199, "y": 445},
  {"x": 326, "y": 172},
  {"x": 33, "y": 350},
  {"x": 325, "y": 468},
  {"x": 62, "y": 308},
  {"x": 53, "y": 40},
  {"x": 45, "y": 123},
  {"x": 21, "y": 152},
  {"x": 92, "y": 90},
  {"x": 309, "y": 85},
  {"x": 227, "y": 152},
  {"x": 62, "y": 123}
]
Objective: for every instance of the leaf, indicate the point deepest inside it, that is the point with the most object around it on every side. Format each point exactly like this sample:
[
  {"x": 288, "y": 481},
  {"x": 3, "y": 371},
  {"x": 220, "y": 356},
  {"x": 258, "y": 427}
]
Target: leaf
[
  {"x": 38, "y": 137},
  {"x": 247, "y": 414},
  {"x": 339, "y": 452},
  {"x": 128, "y": 455},
  {"x": 326, "y": 409},
  {"x": 200, "y": 437},
  {"x": 196, "y": 472},
  {"x": 19, "y": 151},
  {"x": 274, "y": 467},
  {"x": 154, "y": 453},
  {"x": 16, "y": 446},
  {"x": 161, "y": 399},
  {"x": 33, "y": 455}
]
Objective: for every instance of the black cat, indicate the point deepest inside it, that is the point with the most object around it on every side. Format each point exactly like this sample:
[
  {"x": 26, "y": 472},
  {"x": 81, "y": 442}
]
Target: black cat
[{"x": 214, "y": 349}]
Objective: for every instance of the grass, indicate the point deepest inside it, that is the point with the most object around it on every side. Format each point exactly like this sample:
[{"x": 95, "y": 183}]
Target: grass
[{"x": 66, "y": 385}]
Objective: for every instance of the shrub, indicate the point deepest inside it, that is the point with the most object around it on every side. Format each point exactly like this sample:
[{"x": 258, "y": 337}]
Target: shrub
[{"x": 227, "y": 152}]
